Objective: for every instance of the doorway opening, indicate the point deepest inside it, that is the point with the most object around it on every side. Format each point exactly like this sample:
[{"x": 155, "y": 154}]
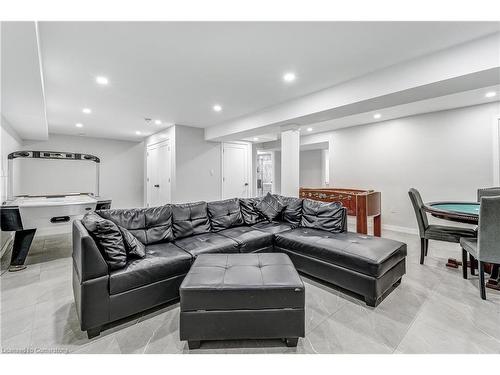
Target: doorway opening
[
  {"x": 265, "y": 173},
  {"x": 158, "y": 179}
]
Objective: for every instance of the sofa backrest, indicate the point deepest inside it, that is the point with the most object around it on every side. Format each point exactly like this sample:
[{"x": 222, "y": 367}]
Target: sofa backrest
[
  {"x": 225, "y": 214},
  {"x": 331, "y": 217},
  {"x": 189, "y": 219},
  {"x": 149, "y": 225},
  {"x": 292, "y": 213}
]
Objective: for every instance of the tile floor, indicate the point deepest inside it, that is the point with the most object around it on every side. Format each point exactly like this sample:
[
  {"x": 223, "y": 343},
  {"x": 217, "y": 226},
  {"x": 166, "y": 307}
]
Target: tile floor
[{"x": 433, "y": 311}]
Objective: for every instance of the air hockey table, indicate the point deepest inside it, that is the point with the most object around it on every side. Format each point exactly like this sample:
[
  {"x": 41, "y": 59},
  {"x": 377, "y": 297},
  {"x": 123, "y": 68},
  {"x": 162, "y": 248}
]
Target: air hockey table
[{"x": 24, "y": 214}]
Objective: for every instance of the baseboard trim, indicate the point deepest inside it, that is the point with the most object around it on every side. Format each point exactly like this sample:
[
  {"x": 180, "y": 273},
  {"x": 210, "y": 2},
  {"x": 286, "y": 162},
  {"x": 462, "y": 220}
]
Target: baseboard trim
[
  {"x": 397, "y": 228},
  {"x": 7, "y": 245}
]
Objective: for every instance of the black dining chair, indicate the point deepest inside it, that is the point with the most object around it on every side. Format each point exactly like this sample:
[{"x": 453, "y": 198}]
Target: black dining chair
[
  {"x": 486, "y": 247},
  {"x": 484, "y": 192},
  {"x": 487, "y": 192},
  {"x": 434, "y": 232}
]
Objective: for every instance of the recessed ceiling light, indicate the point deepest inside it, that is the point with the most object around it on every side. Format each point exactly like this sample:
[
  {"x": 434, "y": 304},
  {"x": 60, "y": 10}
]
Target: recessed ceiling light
[
  {"x": 87, "y": 111},
  {"x": 255, "y": 138},
  {"x": 217, "y": 108},
  {"x": 289, "y": 77},
  {"x": 376, "y": 116},
  {"x": 79, "y": 125},
  {"x": 309, "y": 129},
  {"x": 490, "y": 94},
  {"x": 102, "y": 80},
  {"x": 158, "y": 122},
  {"x": 138, "y": 132}
]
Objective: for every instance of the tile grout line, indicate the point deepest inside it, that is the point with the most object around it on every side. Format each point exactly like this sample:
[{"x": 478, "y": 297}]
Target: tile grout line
[
  {"x": 419, "y": 311},
  {"x": 328, "y": 316}
]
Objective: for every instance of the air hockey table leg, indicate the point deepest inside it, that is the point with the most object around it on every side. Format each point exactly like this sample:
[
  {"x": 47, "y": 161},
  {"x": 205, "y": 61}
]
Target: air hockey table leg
[{"x": 22, "y": 243}]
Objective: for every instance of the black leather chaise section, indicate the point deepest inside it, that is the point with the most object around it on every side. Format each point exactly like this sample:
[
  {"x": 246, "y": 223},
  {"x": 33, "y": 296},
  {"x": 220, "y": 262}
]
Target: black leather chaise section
[
  {"x": 148, "y": 225},
  {"x": 162, "y": 261},
  {"x": 365, "y": 254},
  {"x": 274, "y": 227},
  {"x": 190, "y": 219},
  {"x": 244, "y": 281},
  {"x": 207, "y": 243},
  {"x": 250, "y": 239},
  {"x": 225, "y": 214}
]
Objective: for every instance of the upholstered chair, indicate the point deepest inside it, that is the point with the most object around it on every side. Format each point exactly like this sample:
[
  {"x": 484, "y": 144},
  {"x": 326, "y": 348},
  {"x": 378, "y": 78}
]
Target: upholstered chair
[
  {"x": 486, "y": 247},
  {"x": 484, "y": 192},
  {"x": 487, "y": 192},
  {"x": 434, "y": 232}
]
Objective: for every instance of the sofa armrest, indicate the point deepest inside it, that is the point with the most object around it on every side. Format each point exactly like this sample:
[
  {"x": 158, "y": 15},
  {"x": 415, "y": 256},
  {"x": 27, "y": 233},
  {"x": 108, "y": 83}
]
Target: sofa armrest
[{"x": 88, "y": 260}]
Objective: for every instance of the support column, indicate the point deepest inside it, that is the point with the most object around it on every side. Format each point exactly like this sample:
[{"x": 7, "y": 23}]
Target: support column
[{"x": 290, "y": 167}]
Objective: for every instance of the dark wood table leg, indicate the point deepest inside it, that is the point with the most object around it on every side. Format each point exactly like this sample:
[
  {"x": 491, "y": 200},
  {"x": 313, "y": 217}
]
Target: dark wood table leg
[
  {"x": 494, "y": 280},
  {"x": 453, "y": 263},
  {"x": 377, "y": 225},
  {"x": 361, "y": 215}
]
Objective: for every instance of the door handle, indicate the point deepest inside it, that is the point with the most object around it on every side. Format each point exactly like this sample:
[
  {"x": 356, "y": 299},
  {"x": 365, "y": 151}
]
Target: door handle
[
  {"x": 157, "y": 185},
  {"x": 246, "y": 183}
]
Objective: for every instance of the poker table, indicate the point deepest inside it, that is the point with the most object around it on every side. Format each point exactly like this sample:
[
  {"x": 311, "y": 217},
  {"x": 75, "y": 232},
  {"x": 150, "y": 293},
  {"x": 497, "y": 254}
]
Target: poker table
[
  {"x": 462, "y": 212},
  {"x": 467, "y": 213}
]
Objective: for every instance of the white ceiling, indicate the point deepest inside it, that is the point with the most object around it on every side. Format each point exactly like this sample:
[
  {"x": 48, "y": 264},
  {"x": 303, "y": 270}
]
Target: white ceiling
[{"x": 176, "y": 72}]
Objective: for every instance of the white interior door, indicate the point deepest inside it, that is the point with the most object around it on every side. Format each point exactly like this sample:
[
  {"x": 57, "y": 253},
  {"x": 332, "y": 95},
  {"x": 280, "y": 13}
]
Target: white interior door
[
  {"x": 158, "y": 174},
  {"x": 235, "y": 176}
]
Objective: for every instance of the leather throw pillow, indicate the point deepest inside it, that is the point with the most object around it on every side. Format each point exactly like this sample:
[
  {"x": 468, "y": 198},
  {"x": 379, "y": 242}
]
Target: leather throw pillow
[
  {"x": 134, "y": 247},
  {"x": 270, "y": 207},
  {"x": 109, "y": 239}
]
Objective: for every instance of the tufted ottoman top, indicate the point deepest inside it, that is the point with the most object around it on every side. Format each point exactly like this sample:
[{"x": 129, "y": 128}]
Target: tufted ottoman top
[{"x": 242, "y": 282}]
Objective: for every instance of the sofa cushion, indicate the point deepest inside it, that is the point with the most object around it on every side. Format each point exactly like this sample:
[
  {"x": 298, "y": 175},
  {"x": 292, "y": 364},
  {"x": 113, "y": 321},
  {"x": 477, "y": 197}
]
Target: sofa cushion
[
  {"x": 292, "y": 213},
  {"x": 251, "y": 215},
  {"x": 134, "y": 247},
  {"x": 150, "y": 225},
  {"x": 190, "y": 219},
  {"x": 108, "y": 238},
  {"x": 249, "y": 239},
  {"x": 162, "y": 261},
  {"x": 368, "y": 255},
  {"x": 270, "y": 207},
  {"x": 207, "y": 243},
  {"x": 224, "y": 214},
  {"x": 324, "y": 216},
  {"x": 274, "y": 227}
]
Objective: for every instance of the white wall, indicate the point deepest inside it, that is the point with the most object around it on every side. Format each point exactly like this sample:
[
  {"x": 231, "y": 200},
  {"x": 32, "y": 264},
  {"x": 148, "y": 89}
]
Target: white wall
[
  {"x": 121, "y": 170},
  {"x": 9, "y": 142},
  {"x": 445, "y": 155},
  {"x": 311, "y": 173},
  {"x": 196, "y": 164}
]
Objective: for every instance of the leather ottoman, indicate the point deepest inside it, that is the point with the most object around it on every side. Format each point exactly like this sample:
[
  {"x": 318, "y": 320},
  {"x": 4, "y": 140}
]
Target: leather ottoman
[{"x": 242, "y": 296}]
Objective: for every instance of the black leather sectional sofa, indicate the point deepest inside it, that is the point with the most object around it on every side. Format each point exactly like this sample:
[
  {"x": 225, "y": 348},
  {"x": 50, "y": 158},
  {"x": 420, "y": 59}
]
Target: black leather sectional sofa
[{"x": 313, "y": 234}]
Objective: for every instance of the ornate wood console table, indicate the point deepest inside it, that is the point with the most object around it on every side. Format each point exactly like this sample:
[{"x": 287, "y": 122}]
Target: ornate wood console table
[{"x": 359, "y": 203}]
